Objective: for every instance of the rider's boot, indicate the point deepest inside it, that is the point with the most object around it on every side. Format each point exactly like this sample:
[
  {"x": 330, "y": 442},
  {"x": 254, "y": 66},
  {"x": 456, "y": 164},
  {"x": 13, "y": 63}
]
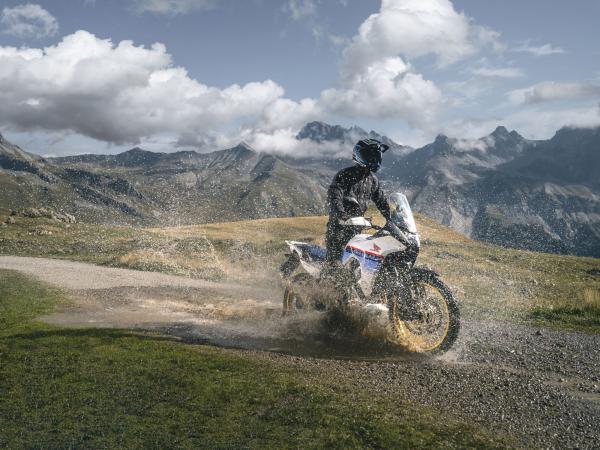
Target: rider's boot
[{"x": 336, "y": 277}]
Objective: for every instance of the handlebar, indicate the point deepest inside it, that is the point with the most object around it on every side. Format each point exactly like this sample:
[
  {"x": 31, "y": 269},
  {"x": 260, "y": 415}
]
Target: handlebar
[{"x": 389, "y": 226}]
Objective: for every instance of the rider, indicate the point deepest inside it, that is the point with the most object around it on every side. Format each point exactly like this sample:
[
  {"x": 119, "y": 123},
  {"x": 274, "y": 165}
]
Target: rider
[{"x": 358, "y": 183}]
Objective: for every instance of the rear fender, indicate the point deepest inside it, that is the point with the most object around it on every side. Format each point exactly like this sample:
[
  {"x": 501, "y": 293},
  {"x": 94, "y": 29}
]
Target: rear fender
[
  {"x": 297, "y": 255},
  {"x": 293, "y": 246}
]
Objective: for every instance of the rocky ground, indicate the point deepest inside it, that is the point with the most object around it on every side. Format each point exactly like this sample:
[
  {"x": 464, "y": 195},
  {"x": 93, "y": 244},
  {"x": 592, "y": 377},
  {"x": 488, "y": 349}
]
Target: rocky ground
[{"x": 539, "y": 386}]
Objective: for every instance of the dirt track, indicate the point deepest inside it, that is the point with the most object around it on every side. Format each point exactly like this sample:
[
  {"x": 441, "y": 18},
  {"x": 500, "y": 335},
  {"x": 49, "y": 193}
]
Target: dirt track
[{"x": 541, "y": 387}]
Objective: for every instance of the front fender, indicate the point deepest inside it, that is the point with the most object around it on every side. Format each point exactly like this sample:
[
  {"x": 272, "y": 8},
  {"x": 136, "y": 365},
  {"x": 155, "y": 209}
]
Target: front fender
[{"x": 423, "y": 273}]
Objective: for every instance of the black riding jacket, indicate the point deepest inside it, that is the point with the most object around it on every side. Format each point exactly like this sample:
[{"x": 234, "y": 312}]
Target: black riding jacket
[{"x": 359, "y": 183}]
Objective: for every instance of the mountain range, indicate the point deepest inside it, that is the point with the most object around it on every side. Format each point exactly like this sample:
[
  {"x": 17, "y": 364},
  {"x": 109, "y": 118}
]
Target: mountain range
[{"x": 502, "y": 188}]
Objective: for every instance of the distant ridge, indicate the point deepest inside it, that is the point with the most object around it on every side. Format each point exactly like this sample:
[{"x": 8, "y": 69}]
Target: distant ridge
[{"x": 501, "y": 188}]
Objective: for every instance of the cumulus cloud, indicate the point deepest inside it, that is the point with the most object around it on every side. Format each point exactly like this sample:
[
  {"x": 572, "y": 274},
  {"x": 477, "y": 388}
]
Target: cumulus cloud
[
  {"x": 414, "y": 28},
  {"x": 27, "y": 21},
  {"x": 384, "y": 89},
  {"x": 376, "y": 79},
  {"x": 542, "y": 50},
  {"x": 552, "y": 91},
  {"x": 123, "y": 93},
  {"x": 172, "y": 7}
]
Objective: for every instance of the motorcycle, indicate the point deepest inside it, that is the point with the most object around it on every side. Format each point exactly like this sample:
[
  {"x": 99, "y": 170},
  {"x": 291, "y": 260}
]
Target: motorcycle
[{"x": 379, "y": 275}]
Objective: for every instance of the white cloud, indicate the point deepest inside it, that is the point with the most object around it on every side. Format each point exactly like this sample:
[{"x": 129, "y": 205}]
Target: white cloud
[
  {"x": 282, "y": 113},
  {"x": 124, "y": 93},
  {"x": 481, "y": 144},
  {"x": 385, "y": 89},
  {"x": 29, "y": 20},
  {"x": 552, "y": 91},
  {"x": 486, "y": 37},
  {"x": 172, "y": 7},
  {"x": 284, "y": 142},
  {"x": 300, "y": 9},
  {"x": 498, "y": 72},
  {"x": 376, "y": 80},
  {"x": 415, "y": 28},
  {"x": 532, "y": 121},
  {"x": 542, "y": 123},
  {"x": 542, "y": 50}
]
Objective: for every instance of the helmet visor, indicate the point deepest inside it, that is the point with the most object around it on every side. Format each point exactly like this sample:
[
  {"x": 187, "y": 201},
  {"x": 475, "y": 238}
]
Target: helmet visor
[{"x": 371, "y": 157}]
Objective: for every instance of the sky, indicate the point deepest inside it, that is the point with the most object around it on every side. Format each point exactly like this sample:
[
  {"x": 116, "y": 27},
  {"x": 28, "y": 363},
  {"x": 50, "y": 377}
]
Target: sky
[{"x": 85, "y": 76}]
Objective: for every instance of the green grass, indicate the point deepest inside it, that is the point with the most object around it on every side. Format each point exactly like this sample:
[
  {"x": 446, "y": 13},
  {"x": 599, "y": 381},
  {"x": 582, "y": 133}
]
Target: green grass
[
  {"x": 583, "y": 314},
  {"x": 21, "y": 301},
  {"x": 80, "y": 388}
]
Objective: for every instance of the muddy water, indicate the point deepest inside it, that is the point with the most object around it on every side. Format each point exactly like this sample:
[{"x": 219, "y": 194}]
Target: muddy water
[{"x": 228, "y": 315}]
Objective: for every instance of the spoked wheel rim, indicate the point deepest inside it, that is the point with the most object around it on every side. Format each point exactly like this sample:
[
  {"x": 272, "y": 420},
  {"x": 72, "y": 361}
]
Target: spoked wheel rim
[{"x": 431, "y": 329}]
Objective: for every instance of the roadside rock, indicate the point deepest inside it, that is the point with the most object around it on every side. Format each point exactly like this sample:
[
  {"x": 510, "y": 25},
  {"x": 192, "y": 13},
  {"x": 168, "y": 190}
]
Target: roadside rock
[
  {"x": 48, "y": 213},
  {"x": 39, "y": 232}
]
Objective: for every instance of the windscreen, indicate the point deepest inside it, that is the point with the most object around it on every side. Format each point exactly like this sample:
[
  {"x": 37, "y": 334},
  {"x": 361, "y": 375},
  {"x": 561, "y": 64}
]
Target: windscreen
[{"x": 402, "y": 215}]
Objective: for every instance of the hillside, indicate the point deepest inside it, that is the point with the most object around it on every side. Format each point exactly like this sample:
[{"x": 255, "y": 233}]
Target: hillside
[
  {"x": 144, "y": 188},
  {"x": 490, "y": 281},
  {"x": 501, "y": 188}
]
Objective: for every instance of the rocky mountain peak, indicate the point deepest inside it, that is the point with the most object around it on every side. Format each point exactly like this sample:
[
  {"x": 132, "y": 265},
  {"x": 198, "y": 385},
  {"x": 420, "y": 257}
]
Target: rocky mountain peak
[
  {"x": 244, "y": 146},
  {"x": 500, "y": 131},
  {"x": 502, "y": 134},
  {"x": 242, "y": 150},
  {"x": 138, "y": 156},
  {"x": 321, "y": 131},
  {"x": 441, "y": 139},
  {"x": 136, "y": 150}
]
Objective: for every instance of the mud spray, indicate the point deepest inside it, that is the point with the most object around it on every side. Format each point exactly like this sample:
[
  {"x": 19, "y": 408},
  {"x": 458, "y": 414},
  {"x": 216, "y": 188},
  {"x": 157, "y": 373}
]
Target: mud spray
[{"x": 250, "y": 317}]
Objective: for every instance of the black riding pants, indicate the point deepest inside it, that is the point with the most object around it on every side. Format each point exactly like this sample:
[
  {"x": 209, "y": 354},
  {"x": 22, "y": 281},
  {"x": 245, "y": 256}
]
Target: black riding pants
[{"x": 336, "y": 238}]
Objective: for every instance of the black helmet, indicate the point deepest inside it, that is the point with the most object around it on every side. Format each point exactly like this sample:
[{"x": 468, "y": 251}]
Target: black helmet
[{"x": 367, "y": 153}]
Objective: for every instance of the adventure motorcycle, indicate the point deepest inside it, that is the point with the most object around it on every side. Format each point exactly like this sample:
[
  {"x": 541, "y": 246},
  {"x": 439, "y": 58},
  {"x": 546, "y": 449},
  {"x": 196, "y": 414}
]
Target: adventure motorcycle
[{"x": 378, "y": 274}]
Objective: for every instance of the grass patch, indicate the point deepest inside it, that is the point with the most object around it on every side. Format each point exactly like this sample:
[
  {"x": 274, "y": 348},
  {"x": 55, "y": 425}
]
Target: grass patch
[
  {"x": 583, "y": 314},
  {"x": 84, "y": 388},
  {"x": 22, "y": 300}
]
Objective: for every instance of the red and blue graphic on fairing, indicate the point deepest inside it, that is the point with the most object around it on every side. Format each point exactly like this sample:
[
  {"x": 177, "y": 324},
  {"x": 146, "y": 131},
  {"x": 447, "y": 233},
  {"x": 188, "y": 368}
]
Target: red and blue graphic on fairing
[{"x": 369, "y": 261}]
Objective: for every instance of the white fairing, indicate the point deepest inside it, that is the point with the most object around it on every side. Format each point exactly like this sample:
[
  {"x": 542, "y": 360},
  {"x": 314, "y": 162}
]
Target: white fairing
[
  {"x": 356, "y": 222},
  {"x": 401, "y": 213},
  {"x": 381, "y": 246}
]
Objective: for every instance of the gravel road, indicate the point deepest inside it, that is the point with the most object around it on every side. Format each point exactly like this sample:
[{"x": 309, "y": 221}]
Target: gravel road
[{"x": 540, "y": 387}]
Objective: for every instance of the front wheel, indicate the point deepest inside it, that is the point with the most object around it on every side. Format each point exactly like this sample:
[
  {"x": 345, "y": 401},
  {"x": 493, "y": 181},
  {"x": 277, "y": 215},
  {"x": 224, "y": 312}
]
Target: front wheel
[{"x": 424, "y": 315}]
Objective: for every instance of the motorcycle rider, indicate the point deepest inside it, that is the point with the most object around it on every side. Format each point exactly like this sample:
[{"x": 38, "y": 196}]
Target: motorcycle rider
[{"x": 349, "y": 194}]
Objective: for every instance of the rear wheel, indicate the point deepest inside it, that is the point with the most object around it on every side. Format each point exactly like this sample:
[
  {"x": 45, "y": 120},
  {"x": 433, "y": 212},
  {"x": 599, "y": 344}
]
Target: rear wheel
[
  {"x": 292, "y": 295},
  {"x": 290, "y": 265},
  {"x": 424, "y": 317}
]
